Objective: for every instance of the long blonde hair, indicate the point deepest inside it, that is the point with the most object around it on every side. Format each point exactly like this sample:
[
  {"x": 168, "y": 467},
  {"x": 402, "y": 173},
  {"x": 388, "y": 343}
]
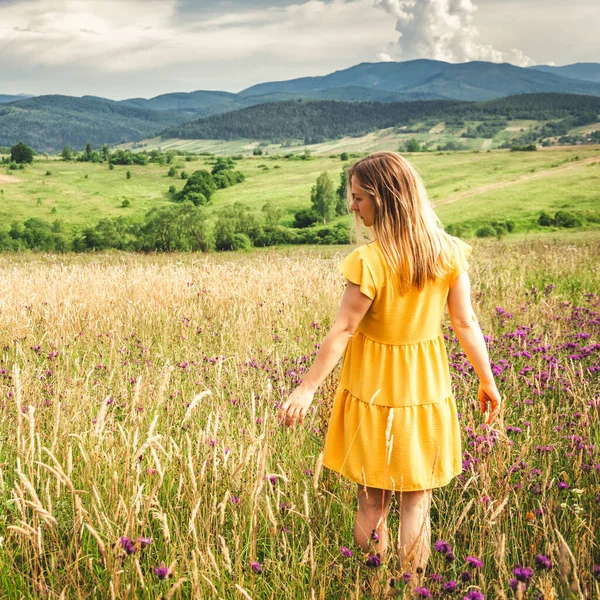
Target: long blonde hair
[{"x": 409, "y": 232}]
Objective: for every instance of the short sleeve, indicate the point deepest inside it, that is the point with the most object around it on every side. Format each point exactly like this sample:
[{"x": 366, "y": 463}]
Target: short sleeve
[
  {"x": 355, "y": 269},
  {"x": 462, "y": 252}
]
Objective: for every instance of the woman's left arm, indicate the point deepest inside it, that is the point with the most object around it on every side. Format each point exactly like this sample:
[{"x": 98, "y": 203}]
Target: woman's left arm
[{"x": 353, "y": 308}]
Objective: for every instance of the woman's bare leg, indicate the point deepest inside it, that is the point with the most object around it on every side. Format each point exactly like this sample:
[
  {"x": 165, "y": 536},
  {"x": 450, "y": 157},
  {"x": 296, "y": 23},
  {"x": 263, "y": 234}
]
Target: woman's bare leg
[
  {"x": 373, "y": 508},
  {"x": 414, "y": 539}
]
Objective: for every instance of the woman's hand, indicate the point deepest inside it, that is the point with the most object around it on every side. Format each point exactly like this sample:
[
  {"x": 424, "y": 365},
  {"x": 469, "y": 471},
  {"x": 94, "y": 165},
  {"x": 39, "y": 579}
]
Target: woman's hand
[
  {"x": 295, "y": 407},
  {"x": 489, "y": 397}
]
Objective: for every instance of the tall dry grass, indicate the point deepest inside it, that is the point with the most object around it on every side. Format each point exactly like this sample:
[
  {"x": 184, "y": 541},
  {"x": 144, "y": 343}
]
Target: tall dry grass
[{"x": 141, "y": 456}]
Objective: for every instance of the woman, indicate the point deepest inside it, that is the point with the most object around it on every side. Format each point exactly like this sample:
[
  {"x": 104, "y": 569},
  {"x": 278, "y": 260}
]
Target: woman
[{"x": 394, "y": 426}]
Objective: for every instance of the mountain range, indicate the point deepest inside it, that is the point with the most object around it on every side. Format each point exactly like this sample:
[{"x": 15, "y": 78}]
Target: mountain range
[{"x": 50, "y": 122}]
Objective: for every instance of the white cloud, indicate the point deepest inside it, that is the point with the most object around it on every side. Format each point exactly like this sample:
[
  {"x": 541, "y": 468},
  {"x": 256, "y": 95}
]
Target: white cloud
[
  {"x": 442, "y": 30},
  {"x": 133, "y": 35}
]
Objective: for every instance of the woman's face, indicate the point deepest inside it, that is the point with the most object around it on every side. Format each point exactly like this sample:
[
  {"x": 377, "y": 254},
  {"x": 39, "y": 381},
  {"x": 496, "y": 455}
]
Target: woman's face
[{"x": 362, "y": 203}]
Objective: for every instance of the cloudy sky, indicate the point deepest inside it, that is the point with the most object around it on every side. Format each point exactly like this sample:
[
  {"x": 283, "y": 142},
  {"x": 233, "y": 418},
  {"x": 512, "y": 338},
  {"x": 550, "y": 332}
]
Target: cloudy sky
[{"x": 142, "y": 48}]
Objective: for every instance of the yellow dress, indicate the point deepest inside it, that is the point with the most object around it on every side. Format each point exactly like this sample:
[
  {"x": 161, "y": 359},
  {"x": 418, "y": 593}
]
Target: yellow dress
[{"x": 394, "y": 422}]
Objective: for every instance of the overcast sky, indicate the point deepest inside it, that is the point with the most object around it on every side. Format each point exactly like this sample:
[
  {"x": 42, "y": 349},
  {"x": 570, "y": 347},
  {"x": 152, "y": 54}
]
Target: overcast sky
[{"x": 141, "y": 48}]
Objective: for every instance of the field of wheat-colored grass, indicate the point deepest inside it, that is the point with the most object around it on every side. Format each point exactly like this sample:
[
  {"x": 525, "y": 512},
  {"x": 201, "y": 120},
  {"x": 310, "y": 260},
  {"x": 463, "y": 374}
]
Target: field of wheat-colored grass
[{"x": 141, "y": 455}]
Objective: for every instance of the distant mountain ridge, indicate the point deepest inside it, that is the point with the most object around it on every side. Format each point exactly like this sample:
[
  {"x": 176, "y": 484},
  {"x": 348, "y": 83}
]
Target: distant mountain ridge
[{"x": 50, "y": 122}]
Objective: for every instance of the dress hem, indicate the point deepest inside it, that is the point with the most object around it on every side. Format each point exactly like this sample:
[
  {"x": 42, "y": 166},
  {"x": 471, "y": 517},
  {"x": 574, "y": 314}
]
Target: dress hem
[{"x": 444, "y": 482}]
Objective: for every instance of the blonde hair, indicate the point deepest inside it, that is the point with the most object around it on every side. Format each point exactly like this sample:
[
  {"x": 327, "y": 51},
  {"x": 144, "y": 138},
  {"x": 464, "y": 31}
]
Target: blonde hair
[{"x": 409, "y": 232}]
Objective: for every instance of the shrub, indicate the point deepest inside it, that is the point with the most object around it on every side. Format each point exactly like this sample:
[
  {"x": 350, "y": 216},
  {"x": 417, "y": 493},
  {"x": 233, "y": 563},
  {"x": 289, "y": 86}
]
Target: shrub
[
  {"x": 126, "y": 203},
  {"x": 184, "y": 175},
  {"x": 172, "y": 172},
  {"x": 48, "y": 173},
  {"x": 21, "y": 153},
  {"x": 485, "y": 231},
  {"x": 128, "y": 175},
  {"x": 305, "y": 218},
  {"x": 344, "y": 156},
  {"x": 545, "y": 220},
  {"x": 111, "y": 166},
  {"x": 566, "y": 219}
]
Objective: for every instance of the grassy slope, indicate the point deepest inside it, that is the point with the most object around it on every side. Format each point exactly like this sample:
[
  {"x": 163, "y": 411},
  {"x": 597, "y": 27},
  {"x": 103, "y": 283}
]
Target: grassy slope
[
  {"x": 382, "y": 139},
  {"x": 474, "y": 186}
]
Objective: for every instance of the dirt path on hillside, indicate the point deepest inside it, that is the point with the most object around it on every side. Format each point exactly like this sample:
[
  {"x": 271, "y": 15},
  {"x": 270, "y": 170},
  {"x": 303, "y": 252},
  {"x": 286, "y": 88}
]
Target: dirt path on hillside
[
  {"x": 529, "y": 177},
  {"x": 9, "y": 179}
]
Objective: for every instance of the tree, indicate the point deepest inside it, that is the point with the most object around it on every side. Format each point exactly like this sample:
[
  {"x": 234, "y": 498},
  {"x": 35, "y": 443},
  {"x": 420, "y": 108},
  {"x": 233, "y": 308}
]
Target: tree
[
  {"x": 323, "y": 197},
  {"x": 21, "y": 153},
  {"x": 172, "y": 172},
  {"x": 413, "y": 146},
  {"x": 199, "y": 188},
  {"x": 67, "y": 153},
  {"x": 344, "y": 156},
  {"x": 88, "y": 151},
  {"x": 341, "y": 205},
  {"x": 273, "y": 214}
]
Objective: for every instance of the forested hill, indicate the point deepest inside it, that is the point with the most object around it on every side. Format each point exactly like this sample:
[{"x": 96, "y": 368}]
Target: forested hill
[
  {"x": 319, "y": 120},
  {"x": 49, "y": 123}
]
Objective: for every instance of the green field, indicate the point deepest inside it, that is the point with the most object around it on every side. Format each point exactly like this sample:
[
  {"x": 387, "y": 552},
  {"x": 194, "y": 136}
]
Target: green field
[{"x": 466, "y": 187}]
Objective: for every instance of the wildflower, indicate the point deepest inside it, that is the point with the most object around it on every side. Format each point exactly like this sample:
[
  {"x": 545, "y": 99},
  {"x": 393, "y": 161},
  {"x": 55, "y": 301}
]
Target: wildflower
[
  {"x": 449, "y": 586},
  {"x": 474, "y": 562},
  {"x": 374, "y": 535},
  {"x": 596, "y": 571},
  {"x": 474, "y": 595},
  {"x": 127, "y": 545},
  {"x": 436, "y": 577},
  {"x": 523, "y": 573},
  {"x": 346, "y": 552},
  {"x": 406, "y": 577},
  {"x": 234, "y": 499},
  {"x": 374, "y": 560},
  {"x": 542, "y": 562},
  {"x": 466, "y": 577},
  {"x": 256, "y": 567},
  {"x": 161, "y": 571},
  {"x": 563, "y": 485},
  {"x": 422, "y": 592},
  {"x": 442, "y": 547},
  {"x": 450, "y": 557},
  {"x": 144, "y": 541}
]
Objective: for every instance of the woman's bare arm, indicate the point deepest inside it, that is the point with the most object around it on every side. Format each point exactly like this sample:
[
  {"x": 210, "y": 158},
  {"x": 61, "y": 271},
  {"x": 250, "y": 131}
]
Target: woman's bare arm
[
  {"x": 467, "y": 330},
  {"x": 353, "y": 308}
]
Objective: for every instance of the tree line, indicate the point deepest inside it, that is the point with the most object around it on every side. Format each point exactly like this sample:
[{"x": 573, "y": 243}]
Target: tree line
[{"x": 317, "y": 120}]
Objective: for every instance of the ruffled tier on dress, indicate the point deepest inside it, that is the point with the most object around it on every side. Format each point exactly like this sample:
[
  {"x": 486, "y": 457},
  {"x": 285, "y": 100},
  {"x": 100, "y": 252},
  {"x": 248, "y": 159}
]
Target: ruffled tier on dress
[{"x": 425, "y": 444}]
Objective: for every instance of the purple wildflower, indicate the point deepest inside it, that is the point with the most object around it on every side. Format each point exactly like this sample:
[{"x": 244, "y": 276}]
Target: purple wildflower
[
  {"x": 474, "y": 595},
  {"x": 443, "y": 547},
  {"x": 374, "y": 560},
  {"x": 346, "y": 552},
  {"x": 474, "y": 562},
  {"x": 563, "y": 485},
  {"x": 161, "y": 571},
  {"x": 466, "y": 577},
  {"x": 422, "y": 592},
  {"x": 450, "y": 557},
  {"x": 127, "y": 545},
  {"x": 144, "y": 541},
  {"x": 523, "y": 573},
  {"x": 542, "y": 562},
  {"x": 256, "y": 567},
  {"x": 449, "y": 586},
  {"x": 374, "y": 535},
  {"x": 596, "y": 571}
]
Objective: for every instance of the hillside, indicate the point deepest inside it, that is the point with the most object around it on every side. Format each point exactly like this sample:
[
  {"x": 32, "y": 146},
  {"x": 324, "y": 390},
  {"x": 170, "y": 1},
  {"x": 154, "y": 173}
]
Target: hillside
[
  {"x": 316, "y": 121},
  {"x": 581, "y": 71},
  {"x": 48, "y": 123}
]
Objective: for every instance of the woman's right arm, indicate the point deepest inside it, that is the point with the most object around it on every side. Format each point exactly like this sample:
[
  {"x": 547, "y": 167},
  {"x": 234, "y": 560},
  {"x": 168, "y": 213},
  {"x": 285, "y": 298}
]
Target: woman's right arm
[{"x": 467, "y": 330}]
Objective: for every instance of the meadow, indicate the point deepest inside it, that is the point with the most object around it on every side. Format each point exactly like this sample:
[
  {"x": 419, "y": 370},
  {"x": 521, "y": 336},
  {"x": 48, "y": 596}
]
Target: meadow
[
  {"x": 467, "y": 188},
  {"x": 141, "y": 455}
]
